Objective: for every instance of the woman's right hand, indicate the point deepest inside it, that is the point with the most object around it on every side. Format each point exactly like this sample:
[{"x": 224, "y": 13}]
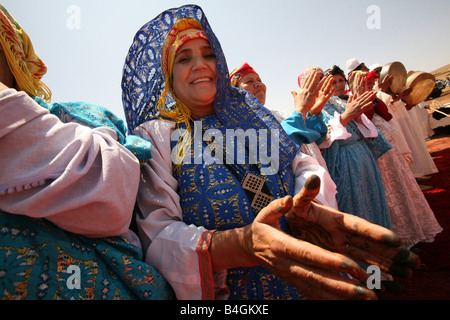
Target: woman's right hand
[
  {"x": 316, "y": 272},
  {"x": 386, "y": 83},
  {"x": 315, "y": 258}
]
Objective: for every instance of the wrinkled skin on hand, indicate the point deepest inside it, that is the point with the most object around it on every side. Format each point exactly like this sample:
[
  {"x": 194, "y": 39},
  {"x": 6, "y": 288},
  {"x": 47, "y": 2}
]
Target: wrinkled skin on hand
[
  {"x": 316, "y": 257},
  {"x": 348, "y": 234}
]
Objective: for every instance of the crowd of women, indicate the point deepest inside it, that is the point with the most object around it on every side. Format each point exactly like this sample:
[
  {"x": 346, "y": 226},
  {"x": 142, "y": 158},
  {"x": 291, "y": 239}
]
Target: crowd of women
[
  {"x": 143, "y": 215},
  {"x": 375, "y": 153}
]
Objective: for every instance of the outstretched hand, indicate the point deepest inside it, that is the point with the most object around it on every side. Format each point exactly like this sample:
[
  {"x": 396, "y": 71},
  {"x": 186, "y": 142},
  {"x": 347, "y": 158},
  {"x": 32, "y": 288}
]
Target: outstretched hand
[
  {"x": 348, "y": 234},
  {"x": 317, "y": 257},
  {"x": 316, "y": 272}
]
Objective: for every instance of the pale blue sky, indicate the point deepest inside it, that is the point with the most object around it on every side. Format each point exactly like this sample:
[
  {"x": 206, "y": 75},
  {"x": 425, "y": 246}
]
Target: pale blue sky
[{"x": 278, "y": 38}]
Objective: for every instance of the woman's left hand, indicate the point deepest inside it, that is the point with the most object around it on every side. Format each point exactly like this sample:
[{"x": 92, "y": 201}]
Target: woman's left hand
[
  {"x": 305, "y": 98},
  {"x": 359, "y": 85}
]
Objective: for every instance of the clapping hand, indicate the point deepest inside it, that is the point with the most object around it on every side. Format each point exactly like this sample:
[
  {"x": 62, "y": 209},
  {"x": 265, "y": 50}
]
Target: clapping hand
[
  {"x": 305, "y": 98},
  {"x": 357, "y": 105},
  {"x": 325, "y": 92}
]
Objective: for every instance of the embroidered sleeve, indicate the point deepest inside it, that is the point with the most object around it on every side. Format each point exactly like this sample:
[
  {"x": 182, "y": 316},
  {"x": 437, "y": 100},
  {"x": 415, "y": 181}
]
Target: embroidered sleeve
[
  {"x": 336, "y": 131},
  {"x": 205, "y": 268}
]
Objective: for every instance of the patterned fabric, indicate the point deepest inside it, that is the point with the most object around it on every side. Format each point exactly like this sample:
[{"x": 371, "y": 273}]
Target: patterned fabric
[
  {"x": 96, "y": 116},
  {"x": 238, "y": 73},
  {"x": 36, "y": 256},
  {"x": 204, "y": 260},
  {"x": 411, "y": 215},
  {"x": 25, "y": 64},
  {"x": 39, "y": 261},
  {"x": 210, "y": 195},
  {"x": 352, "y": 166}
]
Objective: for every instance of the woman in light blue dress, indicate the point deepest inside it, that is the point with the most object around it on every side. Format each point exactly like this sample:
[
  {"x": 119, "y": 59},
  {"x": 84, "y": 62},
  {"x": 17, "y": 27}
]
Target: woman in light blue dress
[
  {"x": 352, "y": 165},
  {"x": 350, "y": 155}
]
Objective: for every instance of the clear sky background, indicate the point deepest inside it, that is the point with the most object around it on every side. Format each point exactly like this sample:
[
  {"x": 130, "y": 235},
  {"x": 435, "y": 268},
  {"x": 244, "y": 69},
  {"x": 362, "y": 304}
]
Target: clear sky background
[{"x": 84, "y": 42}]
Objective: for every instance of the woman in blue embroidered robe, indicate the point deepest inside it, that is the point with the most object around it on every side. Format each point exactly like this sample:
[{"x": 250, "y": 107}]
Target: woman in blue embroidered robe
[{"x": 195, "y": 217}]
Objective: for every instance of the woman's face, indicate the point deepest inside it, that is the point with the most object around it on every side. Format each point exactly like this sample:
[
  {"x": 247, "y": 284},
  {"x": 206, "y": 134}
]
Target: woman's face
[
  {"x": 339, "y": 85},
  {"x": 195, "y": 77},
  {"x": 252, "y": 83}
]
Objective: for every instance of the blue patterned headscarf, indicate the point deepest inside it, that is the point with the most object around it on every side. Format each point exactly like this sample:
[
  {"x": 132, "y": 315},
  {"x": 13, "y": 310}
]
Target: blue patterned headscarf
[{"x": 143, "y": 82}]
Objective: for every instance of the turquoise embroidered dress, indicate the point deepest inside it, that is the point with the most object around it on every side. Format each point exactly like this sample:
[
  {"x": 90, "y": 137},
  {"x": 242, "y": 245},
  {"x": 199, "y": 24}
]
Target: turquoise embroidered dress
[
  {"x": 36, "y": 258},
  {"x": 40, "y": 261},
  {"x": 212, "y": 196},
  {"x": 352, "y": 165},
  {"x": 95, "y": 116}
]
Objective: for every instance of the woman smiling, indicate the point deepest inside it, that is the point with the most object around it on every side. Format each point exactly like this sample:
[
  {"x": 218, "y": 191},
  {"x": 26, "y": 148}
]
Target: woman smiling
[{"x": 212, "y": 229}]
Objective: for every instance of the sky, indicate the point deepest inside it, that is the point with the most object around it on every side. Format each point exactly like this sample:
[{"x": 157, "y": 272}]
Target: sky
[{"x": 84, "y": 42}]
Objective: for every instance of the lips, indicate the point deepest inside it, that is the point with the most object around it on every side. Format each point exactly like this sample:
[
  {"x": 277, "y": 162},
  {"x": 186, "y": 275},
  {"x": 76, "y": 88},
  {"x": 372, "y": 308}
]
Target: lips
[
  {"x": 201, "y": 80},
  {"x": 259, "y": 91}
]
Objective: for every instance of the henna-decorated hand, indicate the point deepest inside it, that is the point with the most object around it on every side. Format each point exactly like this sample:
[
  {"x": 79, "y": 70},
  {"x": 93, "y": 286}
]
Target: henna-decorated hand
[
  {"x": 316, "y": 272},
  {"x": 348, "y": 234},
  {"x": 314, "y": 259}
]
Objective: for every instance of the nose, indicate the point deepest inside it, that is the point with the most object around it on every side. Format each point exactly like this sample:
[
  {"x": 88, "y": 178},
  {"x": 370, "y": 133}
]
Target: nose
[
  {"x": 258, "y": 84},
  {"x": 199, "y": 63}
]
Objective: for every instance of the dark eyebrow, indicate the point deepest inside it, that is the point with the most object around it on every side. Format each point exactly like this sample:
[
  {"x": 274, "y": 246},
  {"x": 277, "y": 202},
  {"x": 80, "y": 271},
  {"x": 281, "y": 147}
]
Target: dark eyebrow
[
  {"x": 182, "y": 51},
  {"x": 206, "y": 47}
]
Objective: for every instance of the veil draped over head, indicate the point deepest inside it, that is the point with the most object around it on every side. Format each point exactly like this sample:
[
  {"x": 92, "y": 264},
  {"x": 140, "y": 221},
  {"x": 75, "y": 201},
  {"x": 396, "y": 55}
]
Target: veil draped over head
[
  {"x": 143, "y": 83},
  {"x": 25, "y": 64}
]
